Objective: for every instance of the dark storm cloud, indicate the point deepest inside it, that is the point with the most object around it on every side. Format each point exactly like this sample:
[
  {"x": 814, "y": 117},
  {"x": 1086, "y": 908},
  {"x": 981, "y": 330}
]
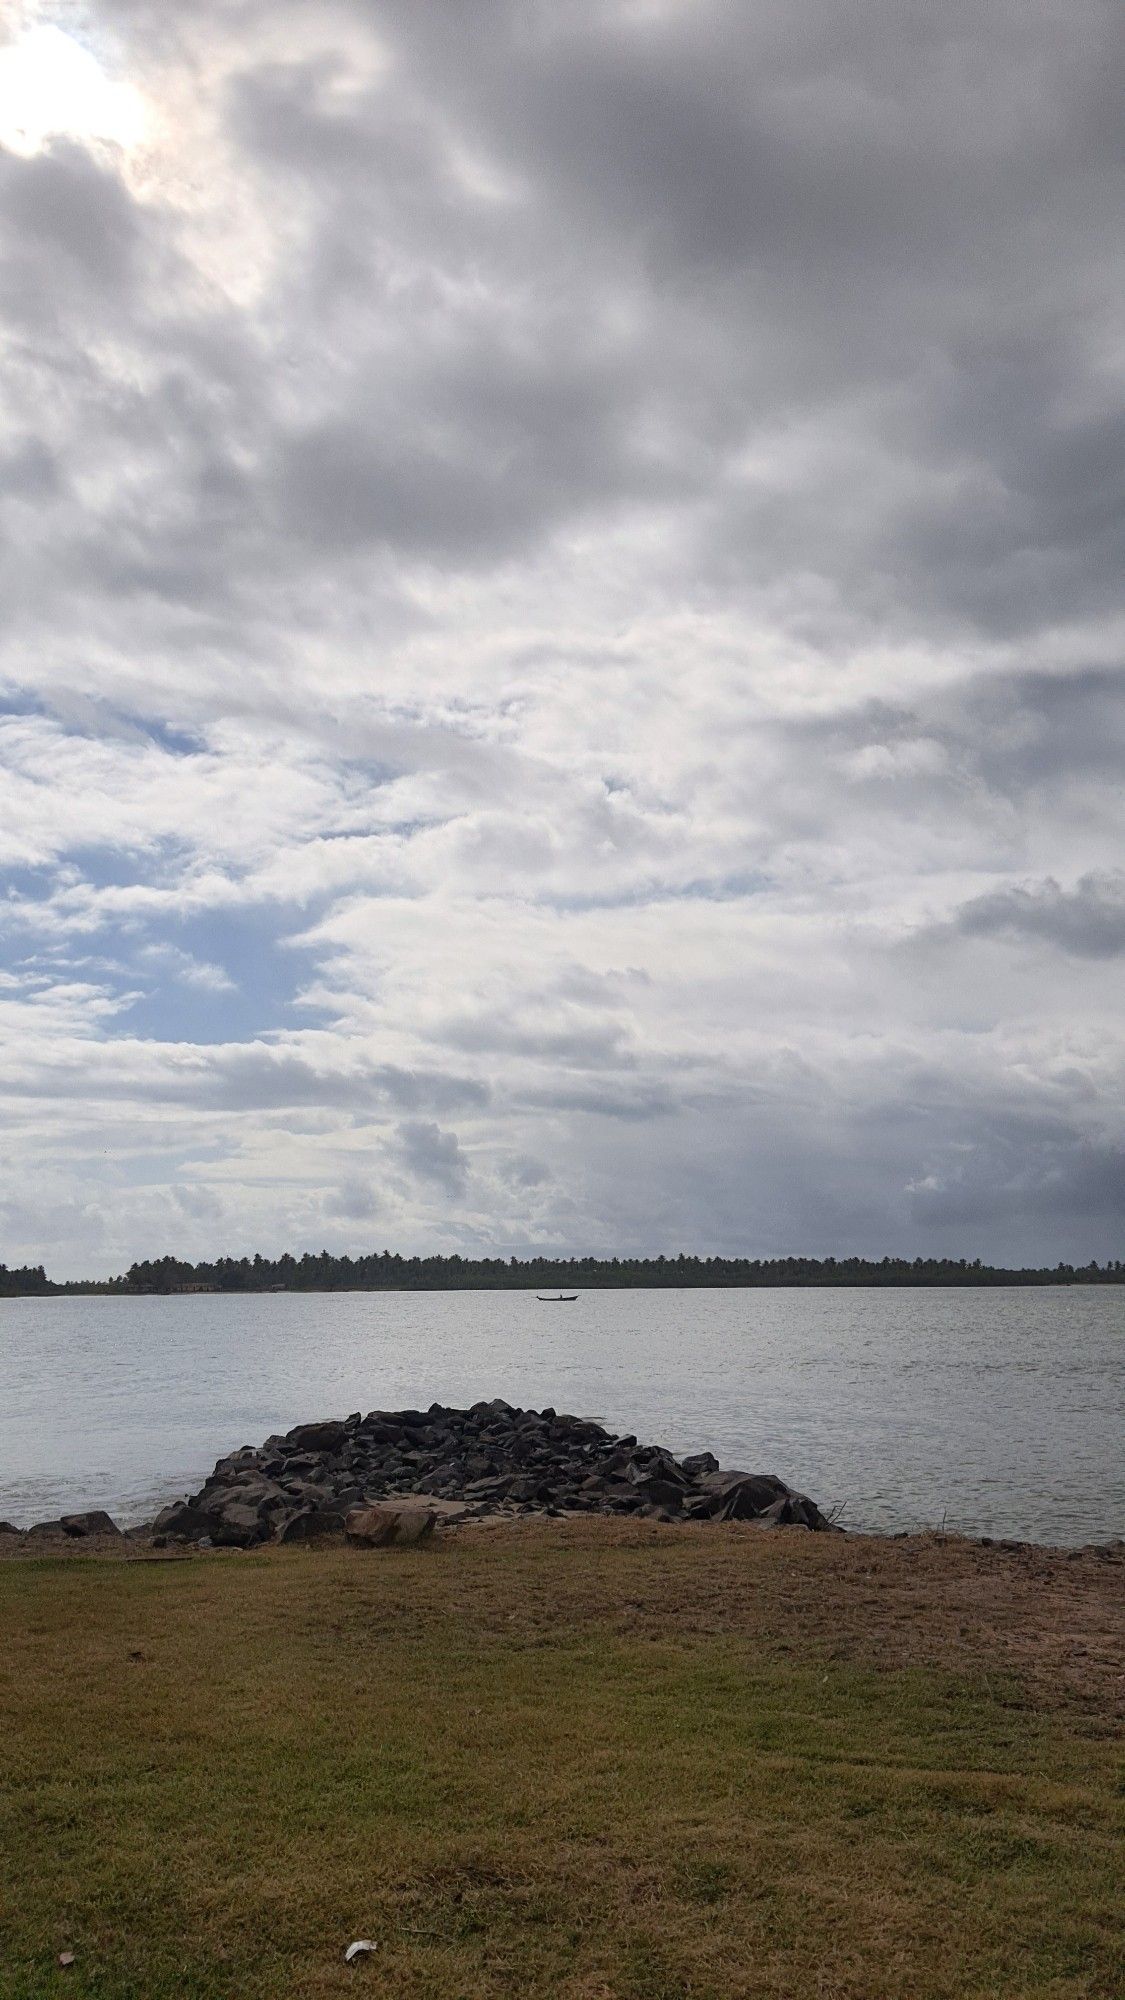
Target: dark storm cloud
[
  {"x": 1087, "y": 921},
  {"x": 1067, "y": 1184},
  {"x": 1044, "y": 729},
  {"x": 1035, "y": 531},
  {"x": 713, "y": 154},
  {"x": 1017, "y": 736},
  {"x": 952, "y": 1159}
]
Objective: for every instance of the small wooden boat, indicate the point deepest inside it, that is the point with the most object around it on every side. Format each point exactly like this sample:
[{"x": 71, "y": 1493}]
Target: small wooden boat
[{"x": 556, "y": 1298}]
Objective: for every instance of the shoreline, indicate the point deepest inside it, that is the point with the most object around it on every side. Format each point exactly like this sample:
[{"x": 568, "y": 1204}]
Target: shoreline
[
  {"x": 998, "y": 1281},
  {"x": 142, "y": 1543},
  {"x": 447, "y": 1466}
]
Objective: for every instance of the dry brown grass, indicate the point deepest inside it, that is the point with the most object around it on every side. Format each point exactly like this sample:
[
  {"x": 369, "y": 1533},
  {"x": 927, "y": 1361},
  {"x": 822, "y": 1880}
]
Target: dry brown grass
[{"x": 594, "y": 1760}]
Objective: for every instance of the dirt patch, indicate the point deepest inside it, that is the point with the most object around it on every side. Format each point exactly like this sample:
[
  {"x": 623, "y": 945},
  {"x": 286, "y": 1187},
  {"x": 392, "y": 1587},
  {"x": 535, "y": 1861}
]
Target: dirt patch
[{"x": 1054, "y": 1618}]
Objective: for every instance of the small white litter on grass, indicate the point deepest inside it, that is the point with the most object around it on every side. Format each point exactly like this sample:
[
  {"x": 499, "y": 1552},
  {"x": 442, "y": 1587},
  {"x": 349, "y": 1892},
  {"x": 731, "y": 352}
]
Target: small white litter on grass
[{"x": 359, "y": 1949}]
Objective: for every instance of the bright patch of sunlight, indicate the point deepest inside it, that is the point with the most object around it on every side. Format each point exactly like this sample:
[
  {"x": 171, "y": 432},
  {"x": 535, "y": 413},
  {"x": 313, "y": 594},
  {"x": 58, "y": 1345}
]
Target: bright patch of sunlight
[{"x": 53, "y": 87}]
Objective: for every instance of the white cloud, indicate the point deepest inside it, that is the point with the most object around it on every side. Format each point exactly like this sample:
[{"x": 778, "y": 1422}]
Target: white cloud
[{"x": 197, "y": 972}]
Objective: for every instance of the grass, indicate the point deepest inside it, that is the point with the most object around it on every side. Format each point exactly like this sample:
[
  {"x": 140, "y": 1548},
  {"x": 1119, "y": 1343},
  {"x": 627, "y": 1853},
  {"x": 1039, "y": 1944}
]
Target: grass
[{"x": 579, "y": 1760}]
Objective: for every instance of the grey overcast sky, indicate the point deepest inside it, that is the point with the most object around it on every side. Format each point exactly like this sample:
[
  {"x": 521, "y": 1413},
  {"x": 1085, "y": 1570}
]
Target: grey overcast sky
[{"x": 562, "y": 622}]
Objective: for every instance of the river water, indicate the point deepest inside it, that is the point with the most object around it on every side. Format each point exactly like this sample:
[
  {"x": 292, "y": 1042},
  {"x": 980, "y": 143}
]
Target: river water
[{"x": 998, "y": 1412}]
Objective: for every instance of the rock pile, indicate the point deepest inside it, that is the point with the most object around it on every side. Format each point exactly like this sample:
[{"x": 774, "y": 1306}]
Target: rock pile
[{"x": 490, "y": 1459}]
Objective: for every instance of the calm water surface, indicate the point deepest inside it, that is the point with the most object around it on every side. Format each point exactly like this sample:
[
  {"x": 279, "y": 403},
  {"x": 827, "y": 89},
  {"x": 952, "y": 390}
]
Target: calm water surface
[{"x": 1001, "y": 1412}]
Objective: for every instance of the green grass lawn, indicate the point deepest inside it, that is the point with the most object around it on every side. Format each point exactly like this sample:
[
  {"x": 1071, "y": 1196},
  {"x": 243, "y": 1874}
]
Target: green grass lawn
[{"x": 577, "y": 1761}]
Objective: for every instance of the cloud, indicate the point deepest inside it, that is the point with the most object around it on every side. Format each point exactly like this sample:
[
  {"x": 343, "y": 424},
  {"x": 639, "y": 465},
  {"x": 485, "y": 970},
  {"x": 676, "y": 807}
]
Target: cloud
[
  {"x": 71, "y": 215},
  {"x": 353, "y": 1201},
  {"x": 1049, "y": 1181},
  {"x": 1087, "y": 921},
  {"x": 433, "y": 1155},
  {"x": 199, "y": 973},
  {"x": 562, "y": 607},
  {"x": 525, "y": 1172}
]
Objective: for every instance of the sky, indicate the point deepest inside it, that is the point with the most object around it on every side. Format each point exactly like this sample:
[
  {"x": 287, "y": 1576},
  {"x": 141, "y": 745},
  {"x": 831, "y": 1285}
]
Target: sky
[{"x": 561, "y": 628}]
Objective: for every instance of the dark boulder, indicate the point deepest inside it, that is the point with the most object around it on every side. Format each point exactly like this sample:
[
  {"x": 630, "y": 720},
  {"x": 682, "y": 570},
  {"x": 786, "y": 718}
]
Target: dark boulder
[
  {"x": 646, "y": 1466},
  {"x": 495, "y": 1488},
  {"x": 76, "y": 1526},
  {"x": 326, "y": 1436},
  {"x": 699, "y": 1463},
  {"x": 235, "y": 1462},
  {"x": 496, "y": 1408},
  {"x": 749, "y": 1496},
  {"x": 376, "y": 1430},
  {"x": 301, "y": 1465},
  {"x": 738, "y": 1496},
  {"x": 311, "y": 1524},
  {"x": 238, "y": 1526},
  {"x": 96, "y": 1522},
  {"x": 662, "y": 1493},
  {"x": 183, "y": 1522},
  {"x": 793, "y": 1510}
]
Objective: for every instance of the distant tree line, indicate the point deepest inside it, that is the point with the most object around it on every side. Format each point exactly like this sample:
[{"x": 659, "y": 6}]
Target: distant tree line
[
  {"x": 24, "y": 1280},
  {"x": 386, "y": 1271}
]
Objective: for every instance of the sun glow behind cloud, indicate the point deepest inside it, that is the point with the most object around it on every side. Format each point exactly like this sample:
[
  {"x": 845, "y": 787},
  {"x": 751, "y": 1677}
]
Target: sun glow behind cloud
[{"x": 53, "y": 87}]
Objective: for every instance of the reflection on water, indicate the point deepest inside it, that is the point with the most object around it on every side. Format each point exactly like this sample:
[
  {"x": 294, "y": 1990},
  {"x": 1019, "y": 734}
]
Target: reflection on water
[{"x": 1001, "y": 1412}]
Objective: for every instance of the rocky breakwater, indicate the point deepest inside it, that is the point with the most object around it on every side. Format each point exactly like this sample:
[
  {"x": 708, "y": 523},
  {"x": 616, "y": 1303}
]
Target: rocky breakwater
[{"x": 464, "y": 1464}]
